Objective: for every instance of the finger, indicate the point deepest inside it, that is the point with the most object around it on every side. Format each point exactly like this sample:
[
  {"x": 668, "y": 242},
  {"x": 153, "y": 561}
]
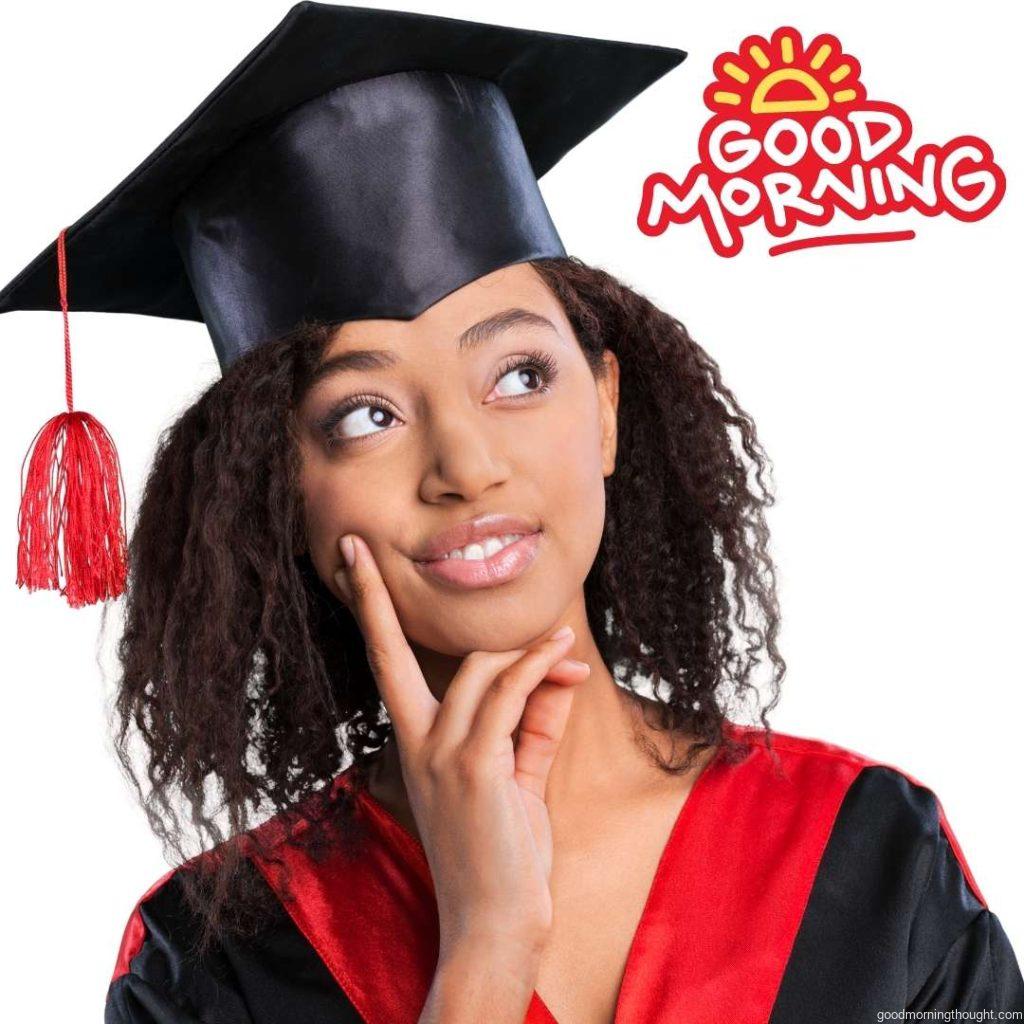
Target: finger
[
  {"x": 410, "y": 704},
  {"x": 540, "y": 733},
  {"x": 502, "y": 705},
  {"x": 566, "y": 674},
  {"x": 461, "y": 700}
]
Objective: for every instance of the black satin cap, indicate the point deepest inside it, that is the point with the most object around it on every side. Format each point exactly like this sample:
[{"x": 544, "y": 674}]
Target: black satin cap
[{"x": 357, "y": 163}]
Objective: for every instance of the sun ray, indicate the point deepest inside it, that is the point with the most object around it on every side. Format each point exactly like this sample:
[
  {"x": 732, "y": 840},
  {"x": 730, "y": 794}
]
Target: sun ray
[
  {"x": 727, "y": 97},
  {"x": 734, "y": 71},
  {"x": 760, "y": 57},
  {"x": 840, "y": 73},
  {"x": 787, "y": 50},
  {"x": 820, "y": 56},
  {"x": 844, "y": 95}
]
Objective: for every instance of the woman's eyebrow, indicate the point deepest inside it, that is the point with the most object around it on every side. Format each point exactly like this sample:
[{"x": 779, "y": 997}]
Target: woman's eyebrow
[
  {"x": 494, "y": 325},
  {"x": 488, "y": 328}
]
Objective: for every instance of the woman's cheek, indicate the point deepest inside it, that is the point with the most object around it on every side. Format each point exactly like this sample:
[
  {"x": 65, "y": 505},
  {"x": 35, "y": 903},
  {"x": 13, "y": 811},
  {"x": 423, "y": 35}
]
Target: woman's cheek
[
  {"x": 328, "y": 517},
  {"x": 577, "y": 496}
]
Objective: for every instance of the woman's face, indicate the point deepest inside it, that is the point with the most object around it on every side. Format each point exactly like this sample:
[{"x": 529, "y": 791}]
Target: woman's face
[{"x": 483, "y": 404}]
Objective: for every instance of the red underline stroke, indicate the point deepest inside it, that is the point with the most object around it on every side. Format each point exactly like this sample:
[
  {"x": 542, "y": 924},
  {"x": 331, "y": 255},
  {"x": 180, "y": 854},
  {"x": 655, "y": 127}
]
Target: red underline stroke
[{"x": 807, "y": 243}]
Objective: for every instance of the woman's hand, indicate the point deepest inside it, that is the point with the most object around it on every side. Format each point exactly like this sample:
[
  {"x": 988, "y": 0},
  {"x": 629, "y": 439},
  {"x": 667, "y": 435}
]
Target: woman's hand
[{"x": 476, "y": 793}]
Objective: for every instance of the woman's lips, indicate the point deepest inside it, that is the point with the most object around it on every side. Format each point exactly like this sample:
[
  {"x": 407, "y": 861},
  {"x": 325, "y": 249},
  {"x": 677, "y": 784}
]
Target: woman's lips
[{"x": 472, "y": 573}]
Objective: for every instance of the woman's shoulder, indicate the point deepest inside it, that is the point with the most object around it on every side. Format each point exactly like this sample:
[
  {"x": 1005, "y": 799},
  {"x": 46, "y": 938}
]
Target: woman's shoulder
[
  {"x": 156, "y": 976},
  {"x": 263, "y": 977},
  {"x": 862, "y": 795},
  {"x": 160, "y": 974},
  {"x": 882, "y": 876}
]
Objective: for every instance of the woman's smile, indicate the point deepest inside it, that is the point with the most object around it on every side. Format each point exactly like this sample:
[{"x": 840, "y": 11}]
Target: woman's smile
[{"x": 494, "y": 561}]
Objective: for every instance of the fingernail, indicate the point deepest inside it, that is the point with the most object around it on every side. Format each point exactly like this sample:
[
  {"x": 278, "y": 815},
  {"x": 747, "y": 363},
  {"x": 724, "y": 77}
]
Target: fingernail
[
  {"x": 564, "y": 631},
  {"x": 348, "y": 550},
  {"x": 577, "y": 663}
]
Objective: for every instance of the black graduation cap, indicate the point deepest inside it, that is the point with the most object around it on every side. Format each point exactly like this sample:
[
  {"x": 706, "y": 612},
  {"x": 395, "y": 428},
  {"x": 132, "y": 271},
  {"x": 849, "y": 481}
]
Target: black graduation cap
[{"x": 357, "y": 163}]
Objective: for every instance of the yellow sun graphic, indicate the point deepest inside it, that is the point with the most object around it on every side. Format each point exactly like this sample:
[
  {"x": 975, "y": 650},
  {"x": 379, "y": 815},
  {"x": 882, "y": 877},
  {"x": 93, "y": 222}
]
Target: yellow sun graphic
[{"x": 782, "y": 77}]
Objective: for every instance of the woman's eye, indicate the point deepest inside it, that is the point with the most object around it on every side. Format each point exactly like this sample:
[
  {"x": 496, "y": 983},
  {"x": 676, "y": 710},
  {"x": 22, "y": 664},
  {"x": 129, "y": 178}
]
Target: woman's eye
[
  {"x": 527, "y": 376},
  {"x": 360, "y": 421}
]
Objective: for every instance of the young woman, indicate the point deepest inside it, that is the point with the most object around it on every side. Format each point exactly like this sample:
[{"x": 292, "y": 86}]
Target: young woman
[
  {"x": 526, "y": 834},
  {"x": 442, "y": 596}
]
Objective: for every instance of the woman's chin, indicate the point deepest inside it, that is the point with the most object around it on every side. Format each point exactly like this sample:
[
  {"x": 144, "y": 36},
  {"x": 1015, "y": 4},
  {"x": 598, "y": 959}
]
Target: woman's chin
[{"x": 491, "y": 633}]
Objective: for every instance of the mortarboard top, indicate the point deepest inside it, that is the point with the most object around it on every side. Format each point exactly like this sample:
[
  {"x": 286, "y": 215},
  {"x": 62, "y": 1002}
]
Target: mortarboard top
[
  {"x": 357, "y": 162},
  {"x": 122, "y": 254}
]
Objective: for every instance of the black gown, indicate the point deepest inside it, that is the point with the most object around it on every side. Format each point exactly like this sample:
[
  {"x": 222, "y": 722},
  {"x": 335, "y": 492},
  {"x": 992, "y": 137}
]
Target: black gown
[{"x": 828, "y": 889}]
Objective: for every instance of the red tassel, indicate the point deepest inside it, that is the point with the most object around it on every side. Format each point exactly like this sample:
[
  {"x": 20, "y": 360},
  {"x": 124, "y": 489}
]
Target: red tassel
[{"x": 71, "y": 530}]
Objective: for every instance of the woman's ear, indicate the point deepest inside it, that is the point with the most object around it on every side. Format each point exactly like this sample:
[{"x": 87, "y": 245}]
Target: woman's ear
[{"x": 608, "y": 398}]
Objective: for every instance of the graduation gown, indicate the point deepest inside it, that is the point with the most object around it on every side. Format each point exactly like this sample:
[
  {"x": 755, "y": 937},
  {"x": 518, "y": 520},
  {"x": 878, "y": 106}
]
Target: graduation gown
[{"x": 829, "y": 888}]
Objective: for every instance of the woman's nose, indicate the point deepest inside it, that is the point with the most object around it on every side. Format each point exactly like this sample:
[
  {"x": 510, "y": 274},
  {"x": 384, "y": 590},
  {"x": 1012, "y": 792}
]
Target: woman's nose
[{"x": 462, "y": 460}]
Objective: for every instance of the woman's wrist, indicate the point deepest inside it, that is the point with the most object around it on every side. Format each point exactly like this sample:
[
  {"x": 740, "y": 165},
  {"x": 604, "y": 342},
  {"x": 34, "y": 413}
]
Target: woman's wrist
[{"x": 484, "y": 978}]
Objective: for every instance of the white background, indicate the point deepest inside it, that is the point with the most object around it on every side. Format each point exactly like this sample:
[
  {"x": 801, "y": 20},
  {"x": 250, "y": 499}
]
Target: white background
[{"x": 882, "y": 379}]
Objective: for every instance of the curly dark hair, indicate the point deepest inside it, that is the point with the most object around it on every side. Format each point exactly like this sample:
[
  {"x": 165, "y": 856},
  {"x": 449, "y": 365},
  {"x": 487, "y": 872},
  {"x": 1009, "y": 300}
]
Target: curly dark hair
[{"x": 247, "y": 680}]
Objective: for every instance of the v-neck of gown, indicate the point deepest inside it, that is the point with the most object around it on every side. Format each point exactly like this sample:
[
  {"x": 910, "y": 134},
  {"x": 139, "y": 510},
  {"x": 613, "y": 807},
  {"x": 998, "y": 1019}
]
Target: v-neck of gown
[
  {"x": 538, "y": 1011},
  {"x": 715, "y": 932}
]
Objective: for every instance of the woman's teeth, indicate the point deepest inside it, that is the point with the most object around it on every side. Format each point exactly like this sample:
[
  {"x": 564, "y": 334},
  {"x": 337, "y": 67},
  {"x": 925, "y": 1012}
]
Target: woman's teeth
[{"x": 486, "y": 549}]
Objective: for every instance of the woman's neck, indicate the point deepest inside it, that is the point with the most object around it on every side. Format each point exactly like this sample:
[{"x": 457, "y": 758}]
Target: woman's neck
[{"x": 601, "y": 758}]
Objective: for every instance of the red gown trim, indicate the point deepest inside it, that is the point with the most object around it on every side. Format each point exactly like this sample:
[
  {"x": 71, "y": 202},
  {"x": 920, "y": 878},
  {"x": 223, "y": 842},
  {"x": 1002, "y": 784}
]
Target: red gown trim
[
  {"x": 710, "y": 945},
  {"x": 135, "y": 930}
]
